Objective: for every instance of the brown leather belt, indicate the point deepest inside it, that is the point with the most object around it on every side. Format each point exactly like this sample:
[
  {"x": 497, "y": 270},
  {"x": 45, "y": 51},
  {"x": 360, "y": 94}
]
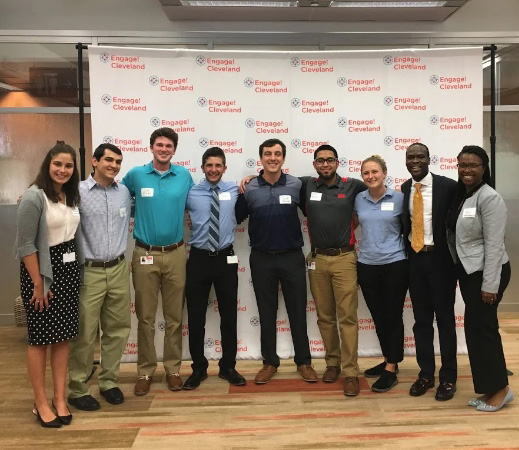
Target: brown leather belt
[
  {"x": 160, "y": 248},
  {"x": 332, "y": 251},
  {"x": 427, "y": 248},
  {"x": 104, "y": 264}
]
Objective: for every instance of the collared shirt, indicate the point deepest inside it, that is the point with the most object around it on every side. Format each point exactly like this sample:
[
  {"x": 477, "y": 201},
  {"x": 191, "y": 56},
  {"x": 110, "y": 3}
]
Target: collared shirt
[
  {"x": 382, "y": 241},
  {"x": 105, "y": 219},
  {"x": 427, "y": 193},
  {"x": 329, "y": 210},
  {"x": 274, "y": 223},
  {"x": 160, "y": 201},
  {"x": 199, "y": 207}
]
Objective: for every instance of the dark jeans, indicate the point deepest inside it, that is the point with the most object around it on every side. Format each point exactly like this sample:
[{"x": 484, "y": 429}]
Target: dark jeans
[
  {"x": 203, "y": 271},
  {"x": 486, "y": 357},
  {"x": 432, "y": 286},
  {"x": 268, "y": 270},
  {"x": 384, "y": 287}
]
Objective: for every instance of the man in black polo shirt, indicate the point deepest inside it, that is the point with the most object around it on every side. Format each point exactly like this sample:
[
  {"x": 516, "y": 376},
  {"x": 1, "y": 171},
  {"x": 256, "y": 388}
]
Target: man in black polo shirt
[
  {"x": 276, "y": 240},
  {"x": 332, "y": 264}
]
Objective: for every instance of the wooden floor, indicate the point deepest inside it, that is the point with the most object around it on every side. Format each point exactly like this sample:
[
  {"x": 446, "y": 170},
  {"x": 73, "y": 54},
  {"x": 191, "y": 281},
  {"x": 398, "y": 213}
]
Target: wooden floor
[{"x": 285, "y": 414}]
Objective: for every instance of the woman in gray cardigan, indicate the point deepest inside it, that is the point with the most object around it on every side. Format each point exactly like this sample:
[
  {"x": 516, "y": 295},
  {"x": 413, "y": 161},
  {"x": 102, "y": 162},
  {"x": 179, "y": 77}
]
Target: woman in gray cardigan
[
  {"x": 47, "y": 243},
  {"x": 476, "y": 233}
]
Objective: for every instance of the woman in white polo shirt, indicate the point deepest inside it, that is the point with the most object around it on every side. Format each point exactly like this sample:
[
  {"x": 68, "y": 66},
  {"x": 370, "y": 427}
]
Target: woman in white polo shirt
[{"x": 382, "y": 268}]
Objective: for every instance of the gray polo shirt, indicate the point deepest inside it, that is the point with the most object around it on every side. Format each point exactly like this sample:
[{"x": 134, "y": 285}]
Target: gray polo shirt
[{"x": 329, "y": 210}]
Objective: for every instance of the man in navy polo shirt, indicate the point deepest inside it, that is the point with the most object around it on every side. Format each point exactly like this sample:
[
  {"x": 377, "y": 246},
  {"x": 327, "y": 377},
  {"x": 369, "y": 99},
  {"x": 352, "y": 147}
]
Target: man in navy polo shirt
[
  {"x": 159, "y": 259},
  {"x": 276, "y": 240}
]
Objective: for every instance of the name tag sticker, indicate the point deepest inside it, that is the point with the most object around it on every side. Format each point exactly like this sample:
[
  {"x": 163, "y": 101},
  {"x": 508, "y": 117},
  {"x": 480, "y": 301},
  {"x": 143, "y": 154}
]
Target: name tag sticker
[
  {"x": 146, "y": 192},
  {"x": 387, "y": 206},
  {"x": 146, "y": 260},
  {"x": 311, "y": 265},
  {"x": 122, "y": 211},
  {"x": 75, "y": 211},
  {"x": 224, "y": 196},
  {"x": 316, "y": 196},
  {"x": 69, "y": 257},
  {"x": 469, "y": 212},
  {"x": 285, "y": 199},
  {"x": 233, "y": 259}
]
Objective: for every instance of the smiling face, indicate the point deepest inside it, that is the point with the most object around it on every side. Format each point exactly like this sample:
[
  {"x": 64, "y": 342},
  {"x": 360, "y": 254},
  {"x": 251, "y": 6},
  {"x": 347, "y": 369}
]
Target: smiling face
[
  {"x": 107, "y": 168},
  {"x": 272, "y": 159},
  {"x": 213, "y": 169},
  {"x": 61, "y": 169},
  {"x": 373, "y": 175},
  {"x": 417, "y": 161},
  {"x": 163, "y": 150},
  {"x": 470, "y": 170},
  {"x": 324, "y": 166}
]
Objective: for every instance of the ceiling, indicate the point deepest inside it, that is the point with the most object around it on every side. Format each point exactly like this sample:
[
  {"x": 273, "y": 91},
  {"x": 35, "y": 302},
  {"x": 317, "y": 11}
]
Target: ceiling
[{"x": 311, "y": 11}]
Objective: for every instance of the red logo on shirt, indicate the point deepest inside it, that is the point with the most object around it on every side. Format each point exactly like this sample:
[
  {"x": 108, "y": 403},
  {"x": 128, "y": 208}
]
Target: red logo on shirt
[
  {"x": 344, "y": 179},
  {"x": 341, "y": 195}
]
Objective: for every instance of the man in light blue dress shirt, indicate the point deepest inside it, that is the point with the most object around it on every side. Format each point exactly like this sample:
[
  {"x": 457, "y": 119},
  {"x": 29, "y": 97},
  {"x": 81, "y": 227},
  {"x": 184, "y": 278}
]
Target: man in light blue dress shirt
[
  {"x": 212, "y": 261},
  {"x": 104, "y": 297}
]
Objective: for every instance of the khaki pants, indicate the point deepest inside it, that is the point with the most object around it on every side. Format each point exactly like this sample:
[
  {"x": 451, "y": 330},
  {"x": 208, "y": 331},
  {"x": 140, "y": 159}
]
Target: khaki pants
[
  {"x": 334, "y": 288},
  {"x": 167, "y": 273},
  {"x": 104, "y": 299}
]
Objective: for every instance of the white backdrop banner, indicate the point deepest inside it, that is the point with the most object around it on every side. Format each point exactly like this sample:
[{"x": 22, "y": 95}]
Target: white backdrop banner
[{"x": 360, "y": 102}]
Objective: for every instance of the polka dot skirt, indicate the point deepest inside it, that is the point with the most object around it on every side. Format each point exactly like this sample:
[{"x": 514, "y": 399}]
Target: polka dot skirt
[{"x": 60, "y": 321}]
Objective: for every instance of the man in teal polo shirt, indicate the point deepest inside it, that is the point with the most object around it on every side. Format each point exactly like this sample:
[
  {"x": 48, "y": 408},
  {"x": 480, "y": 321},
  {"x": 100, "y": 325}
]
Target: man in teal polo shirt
[{"x": 159, "y": 259}]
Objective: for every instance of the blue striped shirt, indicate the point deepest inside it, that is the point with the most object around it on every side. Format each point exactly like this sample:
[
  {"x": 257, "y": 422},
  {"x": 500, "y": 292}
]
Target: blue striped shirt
[
  {"x": 105, "y": 219},
  {"x": 199, "y": 206}
]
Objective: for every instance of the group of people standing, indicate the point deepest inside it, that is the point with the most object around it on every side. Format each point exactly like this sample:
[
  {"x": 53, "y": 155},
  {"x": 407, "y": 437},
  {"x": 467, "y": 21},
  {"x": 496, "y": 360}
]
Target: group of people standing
[{"x": 74, "y": 277}]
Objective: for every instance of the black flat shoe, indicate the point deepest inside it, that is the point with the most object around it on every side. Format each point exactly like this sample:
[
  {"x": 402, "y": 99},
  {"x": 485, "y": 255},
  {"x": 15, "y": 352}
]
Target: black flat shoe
[
  {"x": 232, "y": 376},
  {"x": 55, "y": 423},
  {"x": 445, "y": 391},
  {"x": 378, "y": 370},
  {"x": 420, "y": 387},
  {"x": 84, "y": 403},
  {"x": 195, "y": 379},
  {"x": 65, "y": 420},
  {"x": 113, "y": 395}
]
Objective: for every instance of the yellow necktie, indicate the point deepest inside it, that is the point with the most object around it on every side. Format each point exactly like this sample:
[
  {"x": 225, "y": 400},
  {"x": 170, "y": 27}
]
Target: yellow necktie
[{"x": 417, "y": 231}]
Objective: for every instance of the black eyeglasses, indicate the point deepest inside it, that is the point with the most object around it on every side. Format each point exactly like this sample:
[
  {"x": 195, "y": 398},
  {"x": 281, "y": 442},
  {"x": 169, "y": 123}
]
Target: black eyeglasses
[
  {"x": 468, "y": 166},
  {"x": 321, "y": 161}
]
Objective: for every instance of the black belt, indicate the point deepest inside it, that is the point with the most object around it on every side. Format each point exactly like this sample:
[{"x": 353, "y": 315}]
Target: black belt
[
  {"x": 426, "y": 248},
  {"x": 104, "y": 264},
  {"x": 227, "y": 251},
  {"x": 332, "y": 251},
  {"x": 160, "y": 248},
  {"x": 274, "y": 252}
]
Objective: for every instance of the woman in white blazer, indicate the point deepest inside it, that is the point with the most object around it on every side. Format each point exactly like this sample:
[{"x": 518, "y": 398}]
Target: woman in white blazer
[{"x": 476, "y": 233}]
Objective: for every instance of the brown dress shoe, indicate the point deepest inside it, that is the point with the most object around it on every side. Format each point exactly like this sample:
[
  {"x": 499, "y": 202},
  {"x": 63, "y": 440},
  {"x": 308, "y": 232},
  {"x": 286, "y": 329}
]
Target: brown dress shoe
[
  {"x": 308, "y": 373},
  {"x": 331, "y": 374},
  {"x": 175, "y": 383},
  {"x": 142, "y": 387},
  {"x": 351, "y": 386},
  {"x": 265, "y": 374}
]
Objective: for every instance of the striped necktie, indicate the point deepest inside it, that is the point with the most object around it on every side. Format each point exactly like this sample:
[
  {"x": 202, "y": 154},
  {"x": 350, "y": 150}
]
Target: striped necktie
[
  {"x": 214, "y": 220},
  {"x": 417, "y": 228}
]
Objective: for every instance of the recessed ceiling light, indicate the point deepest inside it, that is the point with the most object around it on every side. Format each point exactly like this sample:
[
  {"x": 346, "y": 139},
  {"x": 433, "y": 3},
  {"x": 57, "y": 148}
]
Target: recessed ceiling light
[
  {"x": 215, "y": 3},
  {"x": 403, "y": 4}
]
